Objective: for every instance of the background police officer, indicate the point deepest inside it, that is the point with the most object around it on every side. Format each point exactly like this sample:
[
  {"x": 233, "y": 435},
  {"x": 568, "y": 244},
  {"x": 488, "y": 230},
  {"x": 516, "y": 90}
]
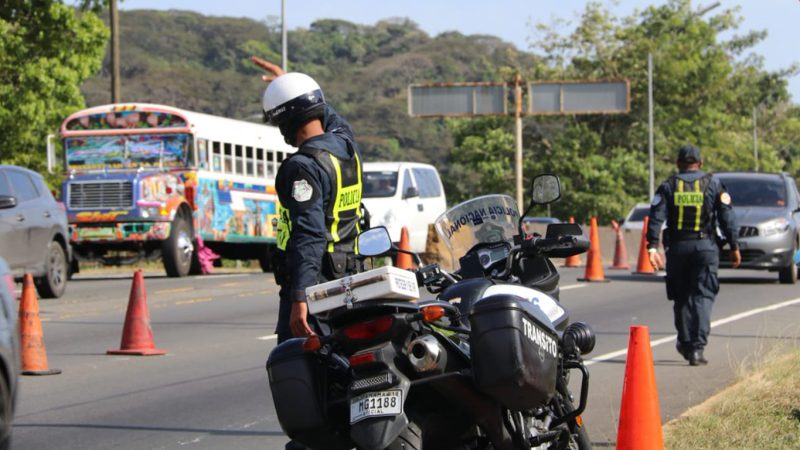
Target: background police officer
[
  {"x": 691, "y": 202},
  {"x": 319, "y": 189}
]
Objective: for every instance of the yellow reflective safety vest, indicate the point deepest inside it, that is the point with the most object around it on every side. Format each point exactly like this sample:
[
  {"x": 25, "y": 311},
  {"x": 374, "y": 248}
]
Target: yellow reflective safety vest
[
  {"x": 689, "y": 211},
  {"x": 342, "y": 208}
]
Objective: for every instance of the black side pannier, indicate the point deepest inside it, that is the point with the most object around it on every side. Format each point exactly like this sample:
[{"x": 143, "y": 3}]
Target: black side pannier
[
  {"x": 514, "y": 352},
  {"x": 297, "y": 381}
]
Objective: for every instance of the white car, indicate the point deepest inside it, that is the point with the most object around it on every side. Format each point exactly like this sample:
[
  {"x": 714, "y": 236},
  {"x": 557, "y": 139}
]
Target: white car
[
  {"x": 634, "y": 221},
  {"x": 399, "y": 194}
]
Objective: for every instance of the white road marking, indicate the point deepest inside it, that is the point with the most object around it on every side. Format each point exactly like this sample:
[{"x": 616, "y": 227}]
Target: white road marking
[
  {"x": 572, "y": 286},
  {"x": 714, "y": 324},
  {"x": 268, "y": 338}
]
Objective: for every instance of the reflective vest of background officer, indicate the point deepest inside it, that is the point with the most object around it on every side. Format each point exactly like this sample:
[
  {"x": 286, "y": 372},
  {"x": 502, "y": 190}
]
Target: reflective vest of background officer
[
  {"x": 691, "y": 202},
  {"x": 319, "y": 189}
]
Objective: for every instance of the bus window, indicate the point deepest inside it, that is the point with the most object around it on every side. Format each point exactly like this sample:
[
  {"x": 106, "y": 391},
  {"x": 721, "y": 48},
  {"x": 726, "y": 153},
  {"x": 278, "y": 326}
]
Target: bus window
[
  {"x": 228, "y": 156},
  {"x": 216, "y": 157},
  {"x": 248, "y": 162},
  {"x": 270, "y": 163},
  {"x": 239, "y": 161},
  {"x": 202, "y": 156},
  {"x": 260, "y": 162}
]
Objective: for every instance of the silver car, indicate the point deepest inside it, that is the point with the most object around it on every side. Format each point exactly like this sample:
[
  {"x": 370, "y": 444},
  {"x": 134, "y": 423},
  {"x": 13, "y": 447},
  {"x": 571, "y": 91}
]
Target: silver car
[
  {"x": 33, "y": 231},
  {"x": 767, "y": 208}
]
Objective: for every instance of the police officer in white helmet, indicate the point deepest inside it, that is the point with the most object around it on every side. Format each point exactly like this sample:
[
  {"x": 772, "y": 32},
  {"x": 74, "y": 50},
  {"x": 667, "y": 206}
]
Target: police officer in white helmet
[{"x": 319, "y": 189}]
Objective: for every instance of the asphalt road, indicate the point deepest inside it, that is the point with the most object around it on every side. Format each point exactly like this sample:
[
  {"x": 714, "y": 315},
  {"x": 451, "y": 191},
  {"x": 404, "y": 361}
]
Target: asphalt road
[{"x": 210, "y": 390}]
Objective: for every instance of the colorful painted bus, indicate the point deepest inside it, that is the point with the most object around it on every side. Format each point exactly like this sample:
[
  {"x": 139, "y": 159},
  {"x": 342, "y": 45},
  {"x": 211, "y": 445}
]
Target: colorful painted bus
[{"x": 149, "y": 181}]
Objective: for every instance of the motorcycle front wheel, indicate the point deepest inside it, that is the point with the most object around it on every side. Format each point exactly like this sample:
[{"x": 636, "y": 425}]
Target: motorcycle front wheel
[{"x": 579, "y": 437}]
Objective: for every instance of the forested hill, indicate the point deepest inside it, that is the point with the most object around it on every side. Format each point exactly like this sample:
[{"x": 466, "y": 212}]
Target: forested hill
[{"x": 201, "y": 63}]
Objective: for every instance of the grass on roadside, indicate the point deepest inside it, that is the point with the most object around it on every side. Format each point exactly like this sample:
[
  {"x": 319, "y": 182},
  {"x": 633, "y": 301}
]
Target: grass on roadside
[{"x": 761, "y": 411}]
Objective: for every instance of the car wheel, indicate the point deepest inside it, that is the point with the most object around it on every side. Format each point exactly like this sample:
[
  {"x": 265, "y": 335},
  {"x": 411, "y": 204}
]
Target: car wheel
[
  {"x": 178, "y": 250},
  {"x": 54, "y": 281},
  {"x": 788, "y": 274}
]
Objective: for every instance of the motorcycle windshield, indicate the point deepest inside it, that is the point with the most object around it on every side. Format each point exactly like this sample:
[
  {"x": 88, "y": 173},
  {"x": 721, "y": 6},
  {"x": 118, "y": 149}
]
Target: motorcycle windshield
[{"x": 481, "y": 220}]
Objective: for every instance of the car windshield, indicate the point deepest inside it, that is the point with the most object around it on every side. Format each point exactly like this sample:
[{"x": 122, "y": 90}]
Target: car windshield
[
  {"x": 482, "y": 220},
  {"x": 127, "y": 151},
  {"x": 639, "y": 214},
  {"x": 380, "y": 184},
  {"x": 756, "y": 191}
]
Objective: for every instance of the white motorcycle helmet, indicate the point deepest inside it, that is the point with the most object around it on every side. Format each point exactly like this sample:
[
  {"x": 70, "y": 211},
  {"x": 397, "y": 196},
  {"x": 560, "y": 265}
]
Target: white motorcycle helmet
[{"x": 290, "y": 101}]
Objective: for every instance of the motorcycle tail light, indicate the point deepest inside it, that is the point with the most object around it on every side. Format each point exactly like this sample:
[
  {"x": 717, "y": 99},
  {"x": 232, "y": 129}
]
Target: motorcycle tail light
[
  {"x": 432, "y": 313},
  {"x": 362, "y": 358},
  {"x": 369, "y": 329},
  {"x": 312, "y": 344}
]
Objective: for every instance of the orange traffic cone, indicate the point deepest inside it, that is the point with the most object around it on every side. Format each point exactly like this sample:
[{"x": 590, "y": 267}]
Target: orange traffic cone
[
  {"x": 404, "y": 259},
  {"x": 137, "y": 336},
  {"x": 643, "y": 266},
  {"x": 34, "y": 355},
  {"x": 574, "y": 260},
  {"x": 639, "y": 416},
  {"x": 594, "y": 262},
  {"x": 620, "y": 252}
]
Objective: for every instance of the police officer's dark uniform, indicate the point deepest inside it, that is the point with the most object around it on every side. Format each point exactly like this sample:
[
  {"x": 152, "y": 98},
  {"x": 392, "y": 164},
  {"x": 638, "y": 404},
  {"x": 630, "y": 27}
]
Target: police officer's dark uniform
[
  {"x": 691, "y": 202},
  {"x": 319, "y": 190}
]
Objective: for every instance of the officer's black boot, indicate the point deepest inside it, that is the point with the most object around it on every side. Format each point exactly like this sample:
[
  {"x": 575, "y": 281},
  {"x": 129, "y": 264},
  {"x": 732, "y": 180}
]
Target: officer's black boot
[
  {"x": 683, "y": 351},
  {"x": 697, "y": 358}
]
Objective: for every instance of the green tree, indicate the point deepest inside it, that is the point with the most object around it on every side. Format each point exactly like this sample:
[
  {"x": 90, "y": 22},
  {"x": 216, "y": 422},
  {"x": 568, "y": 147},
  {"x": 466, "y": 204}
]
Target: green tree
[{"x": 47, "y": 49}]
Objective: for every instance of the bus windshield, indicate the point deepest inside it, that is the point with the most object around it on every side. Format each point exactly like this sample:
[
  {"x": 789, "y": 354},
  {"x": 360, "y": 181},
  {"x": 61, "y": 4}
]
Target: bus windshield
[{"x": 127, "y": 151}]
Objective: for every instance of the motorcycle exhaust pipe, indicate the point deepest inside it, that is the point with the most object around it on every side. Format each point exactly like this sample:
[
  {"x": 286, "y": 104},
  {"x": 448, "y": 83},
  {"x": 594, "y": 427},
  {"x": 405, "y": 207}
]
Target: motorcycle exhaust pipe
[{"x": 425, "y": 354}]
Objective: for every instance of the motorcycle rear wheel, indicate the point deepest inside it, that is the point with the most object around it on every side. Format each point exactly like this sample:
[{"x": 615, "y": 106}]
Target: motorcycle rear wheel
[{"x": 409, "y": 439}]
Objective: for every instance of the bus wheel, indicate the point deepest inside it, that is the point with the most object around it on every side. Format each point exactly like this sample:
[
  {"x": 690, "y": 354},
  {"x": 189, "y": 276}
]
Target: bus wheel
[
  {"x": 265, "y": 260},
  {"x": 178, "y": 250}
]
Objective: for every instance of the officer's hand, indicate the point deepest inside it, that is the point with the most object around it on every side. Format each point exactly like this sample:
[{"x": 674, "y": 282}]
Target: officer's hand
[
  {"x": 736, "y": 258},
  {"x": 298, "y": 320},
  {"x": 656, "y": 261},
  {"x": 269, "y": 67}
]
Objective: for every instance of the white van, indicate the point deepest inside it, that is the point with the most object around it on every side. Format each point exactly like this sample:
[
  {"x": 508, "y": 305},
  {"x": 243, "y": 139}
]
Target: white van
[{"x": 399, "y": 194}]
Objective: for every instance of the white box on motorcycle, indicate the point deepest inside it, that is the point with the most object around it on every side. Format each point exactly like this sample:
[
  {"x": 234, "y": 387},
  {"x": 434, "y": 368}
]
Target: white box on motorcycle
[
  {"x": 384, "y": 283},
  {"x": 514, "y": 351}
]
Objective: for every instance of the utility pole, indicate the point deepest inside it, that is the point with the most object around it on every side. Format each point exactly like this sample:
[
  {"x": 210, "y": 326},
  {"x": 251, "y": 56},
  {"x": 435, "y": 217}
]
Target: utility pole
[
  {"x": 755, "y": 137},
  {"x": 650, "y": 124},
  {"x": 284, "y": 58},
  {"x": 115, "y": 82},
  {"x": 518, "y": 135}
]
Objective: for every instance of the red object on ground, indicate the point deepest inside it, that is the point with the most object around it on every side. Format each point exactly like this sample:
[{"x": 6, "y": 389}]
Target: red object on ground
[
  {"x": 643, "y": 266},
  {"x": 404, "y": 259},
  {"x": 137, "y": 336},
  {"x": 574, "y": 260},
  {"x": 594, "y": 261},
  {"x": 620, "y": 252},
  {"x": 639, "y": 416},
  {"x": 33, "y": 354}
]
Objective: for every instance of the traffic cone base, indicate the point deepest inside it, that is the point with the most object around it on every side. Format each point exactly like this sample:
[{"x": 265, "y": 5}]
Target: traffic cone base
[
  {"x": 137, "y": 335},
  {"x": 138, "y": 352},
  {"x": 33, "y": 357},
  {"x": 594, "y": 261}
]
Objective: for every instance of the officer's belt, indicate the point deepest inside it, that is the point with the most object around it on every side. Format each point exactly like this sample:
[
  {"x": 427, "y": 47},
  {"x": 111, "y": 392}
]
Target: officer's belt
[{"x": 682, "y": 235}]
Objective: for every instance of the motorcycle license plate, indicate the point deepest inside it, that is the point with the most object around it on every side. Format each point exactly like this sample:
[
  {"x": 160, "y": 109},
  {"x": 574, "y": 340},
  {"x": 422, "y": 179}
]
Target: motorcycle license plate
[{"x": 376, "y": 404}]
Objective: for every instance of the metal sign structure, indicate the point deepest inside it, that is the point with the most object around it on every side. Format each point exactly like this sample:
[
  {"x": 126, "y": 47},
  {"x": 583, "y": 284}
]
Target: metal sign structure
[
  {"x": 544, "y": 98},
  {"x": 579, "y": 97},
  {"x": 457, "y": 99}
]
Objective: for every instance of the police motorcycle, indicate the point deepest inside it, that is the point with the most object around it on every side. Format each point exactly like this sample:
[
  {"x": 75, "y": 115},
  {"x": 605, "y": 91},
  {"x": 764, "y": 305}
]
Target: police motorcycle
[{"x": 485, "y": 365}]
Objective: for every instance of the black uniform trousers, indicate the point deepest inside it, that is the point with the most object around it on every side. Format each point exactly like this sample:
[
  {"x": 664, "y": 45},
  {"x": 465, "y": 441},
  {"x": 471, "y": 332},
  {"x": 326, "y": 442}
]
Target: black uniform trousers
[{"x": 692, "y": 283}]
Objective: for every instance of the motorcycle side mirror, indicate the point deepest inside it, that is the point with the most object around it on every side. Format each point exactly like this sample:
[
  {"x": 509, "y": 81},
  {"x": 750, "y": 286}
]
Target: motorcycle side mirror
[
  {"x": 546, "y": 189},
  {"x": 374, "y": 242}
]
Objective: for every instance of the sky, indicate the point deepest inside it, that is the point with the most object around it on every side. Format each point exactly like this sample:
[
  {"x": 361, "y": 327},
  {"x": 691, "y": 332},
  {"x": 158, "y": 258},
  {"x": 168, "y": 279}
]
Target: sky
[{"x": 511, "y": 20}]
